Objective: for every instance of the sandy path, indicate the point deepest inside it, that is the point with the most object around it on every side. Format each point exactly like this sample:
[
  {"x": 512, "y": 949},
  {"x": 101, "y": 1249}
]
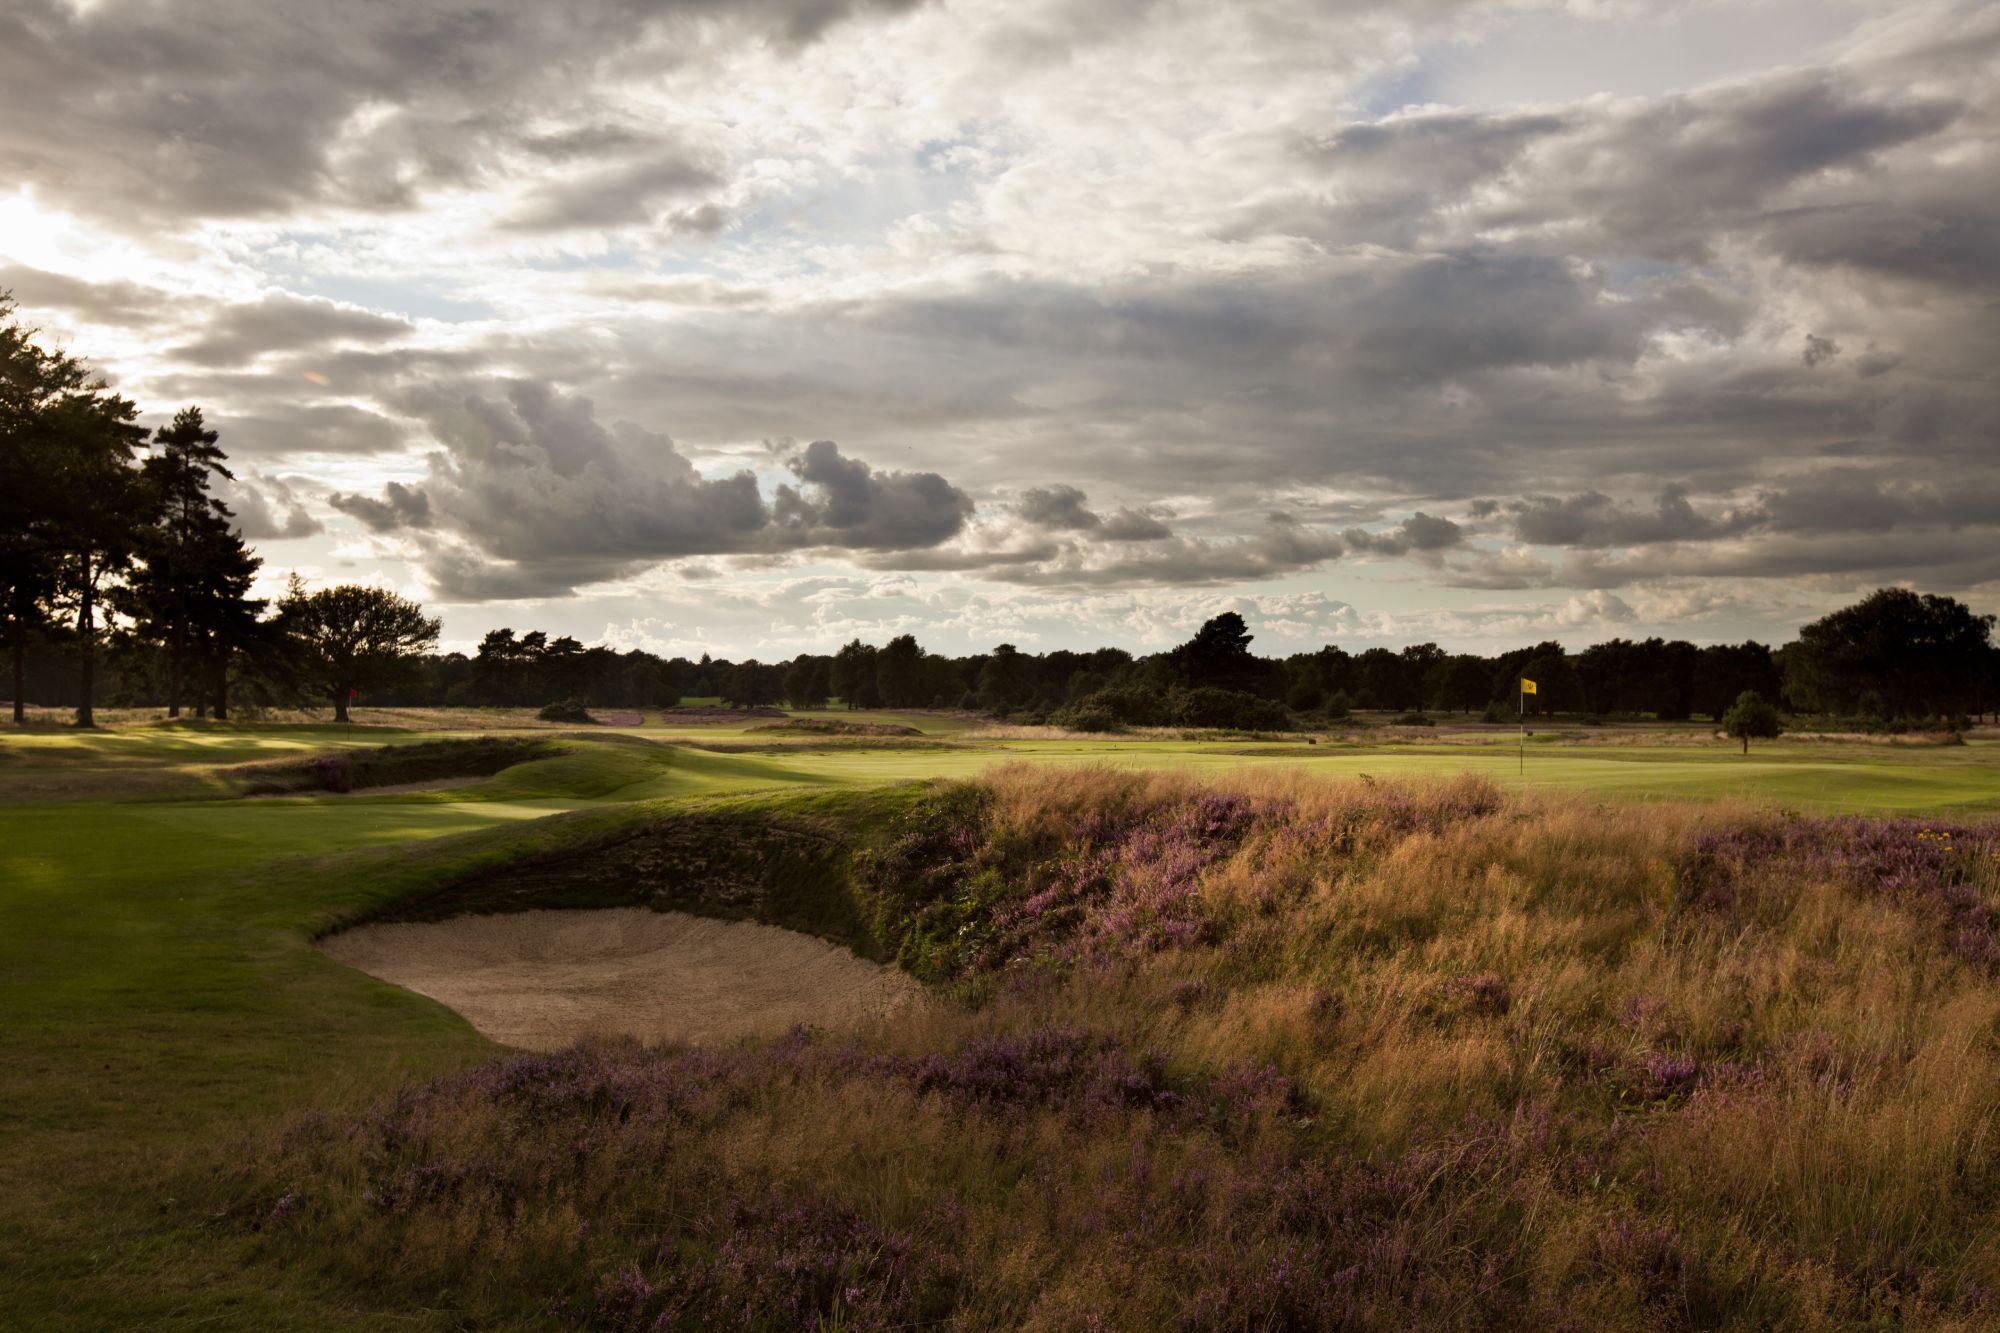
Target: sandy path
[{"x": 543, "y": 979}]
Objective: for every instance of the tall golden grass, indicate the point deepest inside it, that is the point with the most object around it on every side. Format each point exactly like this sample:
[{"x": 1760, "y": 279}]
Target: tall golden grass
[{"x": 1355, "y": 1054}]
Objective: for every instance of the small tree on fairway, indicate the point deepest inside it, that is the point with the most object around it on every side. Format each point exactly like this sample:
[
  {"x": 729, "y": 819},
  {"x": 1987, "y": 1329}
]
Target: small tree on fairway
[
  {"x": 352, "y": 638},
  {"x": 1751, "y": 716}
]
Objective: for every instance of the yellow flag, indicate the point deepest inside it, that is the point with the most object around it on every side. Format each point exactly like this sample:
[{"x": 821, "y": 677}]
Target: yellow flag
[{"x": 1527, "y": 686}]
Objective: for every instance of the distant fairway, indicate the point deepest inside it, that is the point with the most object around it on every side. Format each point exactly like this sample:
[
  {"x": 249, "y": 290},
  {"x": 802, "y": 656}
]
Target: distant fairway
[{"x": 158, "y": 988}]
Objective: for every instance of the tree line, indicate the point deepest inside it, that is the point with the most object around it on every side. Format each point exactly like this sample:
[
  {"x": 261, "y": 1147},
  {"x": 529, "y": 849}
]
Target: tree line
[
  {"x": 117, "y": 557},
  {"x": 124, "y": 580},
  {"x": 1895, "y": 655}
]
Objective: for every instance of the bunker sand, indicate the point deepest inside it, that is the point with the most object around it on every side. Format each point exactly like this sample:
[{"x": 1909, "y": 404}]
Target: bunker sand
[{"x": 541, "y": 980}]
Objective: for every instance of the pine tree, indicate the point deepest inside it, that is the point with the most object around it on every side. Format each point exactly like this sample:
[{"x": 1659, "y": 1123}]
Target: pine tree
[
  {"x": 189, "y": 552},
  {"x": 97, "y": 512},
  {"x": 33, "y": 381}
]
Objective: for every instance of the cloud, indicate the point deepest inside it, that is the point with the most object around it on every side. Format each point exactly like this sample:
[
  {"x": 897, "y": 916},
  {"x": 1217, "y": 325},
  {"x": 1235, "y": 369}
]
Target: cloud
[
  {"x": 357, "y": 105},
  {"x": 401, "y": 507},
  {"x": 1065, "y": 509},
  {"x": 1058, "y": 508},
  {"x": 1819, "y": 349},
  {"x": 1730, "y": 317},
  {"x": 1593, "y": 520},
  {"x": 1283, "y": 546},
  {"x": 116, "y": 302},
  {"x": 282, "y": 425},
  {"x": 1420, "y": 532},
  {"x": 627, "y": 194},
  {"x": 527, "y": 476},
  {"x": 281, "y": 322},
  {"x": 266, "y": 508},
  {"x": 843, "y": 502}
]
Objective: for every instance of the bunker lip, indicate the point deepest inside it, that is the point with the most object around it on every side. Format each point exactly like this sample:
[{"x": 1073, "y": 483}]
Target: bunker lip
[{"x": 543, "y": 979}]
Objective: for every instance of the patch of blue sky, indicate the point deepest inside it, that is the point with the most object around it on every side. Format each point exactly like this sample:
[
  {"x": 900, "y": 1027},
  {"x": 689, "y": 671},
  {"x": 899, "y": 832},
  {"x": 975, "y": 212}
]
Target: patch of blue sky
[{"x": 1409, "y": 84}]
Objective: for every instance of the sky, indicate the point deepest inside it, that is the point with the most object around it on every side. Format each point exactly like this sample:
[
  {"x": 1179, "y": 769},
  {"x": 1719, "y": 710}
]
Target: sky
[{"x": 755, "y": 326}]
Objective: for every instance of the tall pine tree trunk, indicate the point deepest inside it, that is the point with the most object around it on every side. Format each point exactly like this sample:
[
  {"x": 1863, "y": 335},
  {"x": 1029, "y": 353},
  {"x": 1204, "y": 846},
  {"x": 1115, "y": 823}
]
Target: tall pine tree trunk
[
  {"x": 20, "y": 670},
  {"x": 174, "y": 658},
  {"x": 222, "y": 688},
  {"x": 340, "y": 705},
  {"x": 86, "y": 632}
]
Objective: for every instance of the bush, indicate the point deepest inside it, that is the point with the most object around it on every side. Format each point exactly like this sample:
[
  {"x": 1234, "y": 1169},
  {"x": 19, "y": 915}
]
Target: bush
[
  {"x": 1411, "y": 720},
  {"x": 1207, "y": 707},
  {"x": 566, "y": 710},
  {"x": 1132, "y": 707},
  {"x": 1086, "y": 717},
  {"x": 1339, "y": 708}
]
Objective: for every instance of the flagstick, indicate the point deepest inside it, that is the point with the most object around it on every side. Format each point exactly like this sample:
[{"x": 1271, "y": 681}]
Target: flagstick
[{"x": 1521, "y": 709}]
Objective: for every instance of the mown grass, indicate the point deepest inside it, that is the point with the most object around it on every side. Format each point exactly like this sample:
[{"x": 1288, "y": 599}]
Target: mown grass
[{"x": 1504, "y": 1003}]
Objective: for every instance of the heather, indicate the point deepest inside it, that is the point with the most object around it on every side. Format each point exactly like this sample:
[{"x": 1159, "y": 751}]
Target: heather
[{"x": 1268, "y": 1052}]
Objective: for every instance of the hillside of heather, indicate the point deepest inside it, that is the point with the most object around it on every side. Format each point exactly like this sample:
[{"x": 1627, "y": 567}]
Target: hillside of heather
[{"x": 1267, "y": 1052}]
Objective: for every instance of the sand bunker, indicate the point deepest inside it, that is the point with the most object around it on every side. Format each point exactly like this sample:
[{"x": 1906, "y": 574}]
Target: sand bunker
[{"x": 541, "y": 980}]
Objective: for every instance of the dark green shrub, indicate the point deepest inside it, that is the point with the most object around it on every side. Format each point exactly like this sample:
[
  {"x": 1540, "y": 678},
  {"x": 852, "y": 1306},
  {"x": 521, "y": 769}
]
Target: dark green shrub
[
  {"x": 1086, "y": 717},
  {"x": 1208, "y": 707},
  {"x": 566, "y": 710}
]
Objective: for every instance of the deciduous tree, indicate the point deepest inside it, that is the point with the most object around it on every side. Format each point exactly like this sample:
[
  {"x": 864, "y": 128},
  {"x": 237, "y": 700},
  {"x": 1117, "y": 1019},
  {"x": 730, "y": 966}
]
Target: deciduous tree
[{"x": 353, "y": 638}]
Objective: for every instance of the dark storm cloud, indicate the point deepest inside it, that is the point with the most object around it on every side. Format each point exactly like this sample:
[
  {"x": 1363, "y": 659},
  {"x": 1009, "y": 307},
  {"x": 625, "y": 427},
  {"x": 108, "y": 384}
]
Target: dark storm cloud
[
  {"x": 1946, "y": 561},
  {"x": 1594, "y": 520},
  {"x": 1420, "y": 532},
  {"x": 1952, "y": 242},
  {"x": 1062, "y": 508},
  {"x": 1401, "y": 320},
  {"x": 232, "y": 108},
  {"x": 399, "y": 507},
  {"x": 632, "y": 193},
  {"x": 1666, "y": 176},
  {"x": 122, "y": 304},
  {"x": 527, "y": 477},
  {"x": 1282, "y": 546},
  {"x": 1066, "y": 509},
  {"x": 1386, "y": 182},
  {"x": 281, "y": 322},
  {"x": 843, "y": 502},
  {"x": 1860, "y": 501}
]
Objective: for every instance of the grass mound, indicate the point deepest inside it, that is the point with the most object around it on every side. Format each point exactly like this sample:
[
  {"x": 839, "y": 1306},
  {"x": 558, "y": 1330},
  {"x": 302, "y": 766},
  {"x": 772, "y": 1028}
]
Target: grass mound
[
  {"x": 391, "y": 766},
  {"x": 1269, "y": 1053},
  {"x": 784, "y": 861}
]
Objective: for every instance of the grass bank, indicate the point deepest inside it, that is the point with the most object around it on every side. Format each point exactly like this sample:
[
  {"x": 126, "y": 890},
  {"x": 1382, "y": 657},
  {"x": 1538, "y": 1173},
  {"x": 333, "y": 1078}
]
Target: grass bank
[{"x": 1265, "y": 1053}]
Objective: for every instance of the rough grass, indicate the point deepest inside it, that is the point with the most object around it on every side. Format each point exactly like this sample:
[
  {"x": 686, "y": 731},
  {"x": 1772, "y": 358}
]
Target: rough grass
[
  {"x": 159, "y": 1002},
  {"x": 1267, "y": 1053}
]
